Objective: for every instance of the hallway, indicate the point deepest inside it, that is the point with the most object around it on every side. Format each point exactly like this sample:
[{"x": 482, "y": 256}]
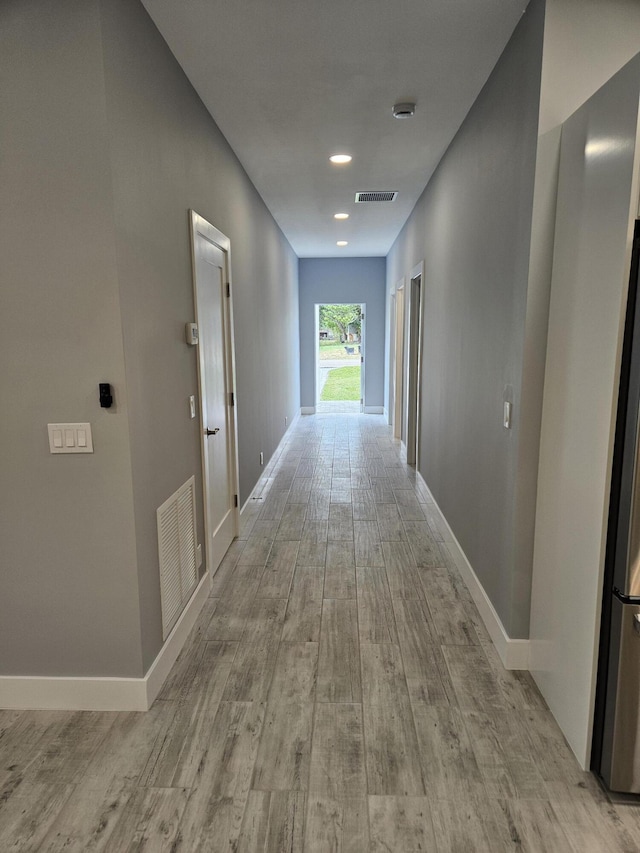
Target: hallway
[{"x": 339, "y": 693}]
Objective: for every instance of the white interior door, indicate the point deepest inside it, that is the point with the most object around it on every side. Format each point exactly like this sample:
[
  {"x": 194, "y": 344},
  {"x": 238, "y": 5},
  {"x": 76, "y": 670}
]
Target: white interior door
[{"x": 217, "y": 404}]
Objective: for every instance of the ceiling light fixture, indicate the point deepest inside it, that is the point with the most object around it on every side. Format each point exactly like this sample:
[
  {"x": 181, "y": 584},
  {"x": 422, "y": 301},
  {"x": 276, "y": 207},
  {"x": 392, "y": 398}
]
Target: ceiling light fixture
[
  {"x": 340, "y": 158},
  {"x": 342, "y": 243},
  {"x": 406, "y": 109},
  {"x": 340, "y": 215}
]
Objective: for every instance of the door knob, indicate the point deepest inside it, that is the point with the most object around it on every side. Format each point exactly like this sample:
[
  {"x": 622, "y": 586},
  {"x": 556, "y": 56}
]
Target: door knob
[{"x": 212, "y": 431}]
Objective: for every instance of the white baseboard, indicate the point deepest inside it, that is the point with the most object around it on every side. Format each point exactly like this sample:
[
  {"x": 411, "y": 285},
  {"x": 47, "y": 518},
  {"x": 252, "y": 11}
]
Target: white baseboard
[
  {"x": 38, "y": 693},
  {"x": 308, "y": 410},
  {"x": 105, "y": 694},
  {"x": 514, "y": 654},
  {"x": 160, "y": 668},
  {"x": 295, "y": 420},
  {"x": 374, "y": 410}
]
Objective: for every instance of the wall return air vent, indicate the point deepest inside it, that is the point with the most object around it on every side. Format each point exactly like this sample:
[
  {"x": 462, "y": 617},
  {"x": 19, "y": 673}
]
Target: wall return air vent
[
  {"x": 375, "y": 195},
  {"x": 177, "y": 550}
]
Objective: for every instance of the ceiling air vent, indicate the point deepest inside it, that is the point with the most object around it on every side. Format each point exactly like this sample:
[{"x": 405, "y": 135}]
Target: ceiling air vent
[{"x": 376, "y": 196}]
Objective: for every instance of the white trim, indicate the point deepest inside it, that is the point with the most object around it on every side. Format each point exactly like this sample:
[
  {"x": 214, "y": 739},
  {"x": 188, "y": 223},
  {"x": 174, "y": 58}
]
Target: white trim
[
  {"x": 167, "y": 656},
  {"x": 385, "y": 412},
  {"x": 35, "y": 693},
  {"x": 219, "y": 540},
  {"x": 25, "y": 692},
  {"x": 374, "y": 410},
  {"x": 399, "y": 318},
  {"x": 295, "y": 420},
  {"x": 316, "y": 357},
  {"x": 363, "y": 356},
  {"x": 308, "y": 410},
  {"x": 414, "y": 363},
  {"x": 514, "y": 654},
  {"x": 250, "y": 498}
]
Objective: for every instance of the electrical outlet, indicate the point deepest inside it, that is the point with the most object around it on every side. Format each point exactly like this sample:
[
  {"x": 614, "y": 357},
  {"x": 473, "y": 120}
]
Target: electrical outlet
[{"x": 261, "y": 458}]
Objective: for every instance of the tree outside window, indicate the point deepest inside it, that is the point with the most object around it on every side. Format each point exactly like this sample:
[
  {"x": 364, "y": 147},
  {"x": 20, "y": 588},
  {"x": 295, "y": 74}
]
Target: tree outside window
[{"x": 343, "y": 320}]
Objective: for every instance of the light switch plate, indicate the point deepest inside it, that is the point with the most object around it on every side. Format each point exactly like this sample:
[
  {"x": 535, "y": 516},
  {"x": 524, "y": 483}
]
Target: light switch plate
[
  {"x": 70, "y": 438},
  {"x": 192, "y": 406},
  {"x": 507, "y": 416}
]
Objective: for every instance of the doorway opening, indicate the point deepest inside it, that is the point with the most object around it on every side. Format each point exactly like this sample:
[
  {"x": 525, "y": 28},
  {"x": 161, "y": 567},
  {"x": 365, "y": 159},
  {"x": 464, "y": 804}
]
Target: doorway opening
[
  {"x": 340, "y": 357},
  {"x": 414, "y": 364}
]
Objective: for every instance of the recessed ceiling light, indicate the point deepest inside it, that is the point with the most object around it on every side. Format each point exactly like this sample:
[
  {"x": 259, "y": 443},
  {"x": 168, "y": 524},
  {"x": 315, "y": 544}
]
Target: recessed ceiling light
[
  {"x": 340, "y": 215},
  {"x": 342, "y": 243},
  {"x": 340, "y": 158}
]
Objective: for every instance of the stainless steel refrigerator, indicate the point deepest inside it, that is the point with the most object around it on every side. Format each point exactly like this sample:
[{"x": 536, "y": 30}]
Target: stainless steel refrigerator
[{"x": 616, "y": 741}]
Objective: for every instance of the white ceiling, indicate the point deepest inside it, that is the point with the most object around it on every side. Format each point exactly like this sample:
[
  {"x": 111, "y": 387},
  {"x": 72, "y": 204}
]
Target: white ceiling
[{"x": 290, "y": 82}]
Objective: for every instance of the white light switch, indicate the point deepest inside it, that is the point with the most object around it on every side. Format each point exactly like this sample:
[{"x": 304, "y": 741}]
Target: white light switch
[
  {"x": 70, "y": 438},
  {"x": 192, "y": 406},
  {"x": 507, "y": 416}
]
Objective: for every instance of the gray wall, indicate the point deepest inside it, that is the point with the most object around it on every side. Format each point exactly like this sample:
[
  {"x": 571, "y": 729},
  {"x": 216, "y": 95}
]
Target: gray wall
[
  {"x": 105, "y": 147},
  {"x": 168, "y": 156},
  {"x": 357, "y": 280},
  {"x": 472, "y": 227},
  {"x": 68, "y": 584}
]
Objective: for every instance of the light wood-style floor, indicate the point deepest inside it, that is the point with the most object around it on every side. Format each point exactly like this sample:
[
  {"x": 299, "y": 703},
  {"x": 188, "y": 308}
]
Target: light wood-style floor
[{"x": 339, "y": 693}]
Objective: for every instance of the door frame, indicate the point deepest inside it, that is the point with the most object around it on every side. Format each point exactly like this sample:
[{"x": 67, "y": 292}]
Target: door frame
[
  {"x": 398, "y": 359},
  {"x": 316, "y": 345},
  {"x": 363, "y": 311},
  {"x": 363, "y": 306},
  {"x": 201, "y": 228},
  {"x": 414, "y": 362}
]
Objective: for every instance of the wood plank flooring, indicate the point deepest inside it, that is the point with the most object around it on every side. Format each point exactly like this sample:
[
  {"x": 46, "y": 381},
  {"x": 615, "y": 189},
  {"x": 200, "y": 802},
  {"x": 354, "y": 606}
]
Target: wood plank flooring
[{"x": 339, "y": 693}]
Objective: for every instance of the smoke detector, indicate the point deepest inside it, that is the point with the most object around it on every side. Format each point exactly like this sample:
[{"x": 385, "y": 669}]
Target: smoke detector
[{"x": 404, "y": 110}]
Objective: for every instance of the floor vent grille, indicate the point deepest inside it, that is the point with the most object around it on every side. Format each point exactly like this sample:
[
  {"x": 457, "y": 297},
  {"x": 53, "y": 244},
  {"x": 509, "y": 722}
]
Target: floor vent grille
[
  {"x": 375, "y": 195},
  {"x": 177, "y": 552}
]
